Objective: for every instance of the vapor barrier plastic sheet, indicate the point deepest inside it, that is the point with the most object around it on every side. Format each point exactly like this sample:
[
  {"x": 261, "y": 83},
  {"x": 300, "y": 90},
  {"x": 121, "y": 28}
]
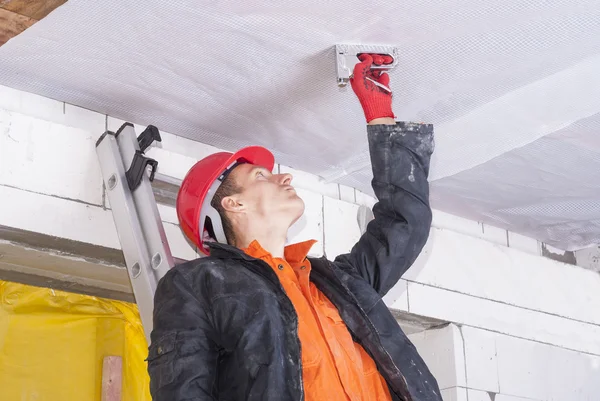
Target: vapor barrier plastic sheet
[
  {"x": 53, "y": 343},
  {"x": 562, "y": 204},
  {"x": 493, "y": 76}
]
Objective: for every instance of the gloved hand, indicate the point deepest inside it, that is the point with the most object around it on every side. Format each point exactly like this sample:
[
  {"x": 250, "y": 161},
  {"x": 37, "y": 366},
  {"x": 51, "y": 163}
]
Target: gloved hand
[{"x": 375, "y": 100}]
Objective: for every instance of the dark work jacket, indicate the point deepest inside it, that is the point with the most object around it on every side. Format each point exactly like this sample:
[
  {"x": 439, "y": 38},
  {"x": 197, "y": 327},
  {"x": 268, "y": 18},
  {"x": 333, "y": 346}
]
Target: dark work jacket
[{"x": 224, "y": 328}]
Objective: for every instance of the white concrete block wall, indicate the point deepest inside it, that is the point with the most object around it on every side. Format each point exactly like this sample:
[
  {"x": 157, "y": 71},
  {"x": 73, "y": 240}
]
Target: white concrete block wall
[
  {"x": 499, "y": 317},
  {"x": 397, "y": 297},
  {"x": 341, "y": 226},
  {"x": 29, "y": 158},
  {"x": 347, "y": 194},
  {"x": 480, "y": 365},
  {"x": 479, "y": 349},
  {"x": 524, "y": 244},
  {"x": 57, "y": 217},
  {"x": 546, "y": 372},
  {"x": 32, "y": 105},
  {"x": 442, "y": 351},
  {"x": 526, "y": 369},
  {"x": 469, "y": 266},
  {"x": 364, "y": 199},
  {"x": 492, "y": 283}
]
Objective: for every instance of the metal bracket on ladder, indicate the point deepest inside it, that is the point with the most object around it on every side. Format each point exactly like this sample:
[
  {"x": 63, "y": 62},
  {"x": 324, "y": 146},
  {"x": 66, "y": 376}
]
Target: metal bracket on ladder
[{"x": 143, "y": 240}]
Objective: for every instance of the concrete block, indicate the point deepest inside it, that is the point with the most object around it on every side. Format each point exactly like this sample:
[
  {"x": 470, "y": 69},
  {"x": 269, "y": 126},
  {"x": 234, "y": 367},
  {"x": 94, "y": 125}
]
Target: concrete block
[
  {"x": 397, "y": 297},
  {"x": 504, "y": 397},
  {"x": 186, "y": 147},
  {"x": 113, "y": 124},
  {"x": 180, "y": 247},
  {"x": 31, "y": 105},
  {"x": 48, "y": 158},
  {"x": 87, "y": 120},
  {"x": 365, "y": 199},
  {"x": 493, "y": 234},
  {"x": 480, "y": 357},
  {"x": 524, "y": 244},
  {"x": 469, "y": 227},
  {"x": 471, "y": 266},
  {"x": 543, "y": 372},
  {"x": 439, "y": 349},
  {"x": 10, "y": 99},
  {"x": 557, "y": 254},
  {"x": 589, "y": 258},
  {"x": 455, "y": 394},
  {"x": 170, "y": 142},
  {"x": 523, "y": 368},
  {"x": 455, "y": 223},
  {"x": 481, "y": 313},
  {"x": 42, "y": 107},
  {"x": 347, "y": 194},
  {"x": 168, "y": 214},
  {"x": 310, "y": 225},
  {"x": 341, "y": 227},
  {"x": 57, "y": 217},
  {"x": 311, "y": 182},
  {"x": 459, "y": 356},
  {"x": 478, "y": 395},
  {"x": 171, "y": 164}
]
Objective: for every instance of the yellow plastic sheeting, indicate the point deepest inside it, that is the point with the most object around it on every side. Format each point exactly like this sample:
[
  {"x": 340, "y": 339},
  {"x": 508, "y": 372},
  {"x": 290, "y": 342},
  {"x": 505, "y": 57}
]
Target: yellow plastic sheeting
[{"x": 52, "y": 345}]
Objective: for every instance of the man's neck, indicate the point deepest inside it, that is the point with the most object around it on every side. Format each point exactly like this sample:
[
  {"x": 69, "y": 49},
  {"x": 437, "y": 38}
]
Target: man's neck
[{"x": 271, "y": 239}]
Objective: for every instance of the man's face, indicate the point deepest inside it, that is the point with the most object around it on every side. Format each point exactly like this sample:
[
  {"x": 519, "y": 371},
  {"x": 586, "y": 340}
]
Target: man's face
[{"x": 266, "y": 194}]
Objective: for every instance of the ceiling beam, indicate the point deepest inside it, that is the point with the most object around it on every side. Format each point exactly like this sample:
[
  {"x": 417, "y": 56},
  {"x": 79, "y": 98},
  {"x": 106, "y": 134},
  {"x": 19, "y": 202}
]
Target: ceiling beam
[{"x": 18, "y": 15}]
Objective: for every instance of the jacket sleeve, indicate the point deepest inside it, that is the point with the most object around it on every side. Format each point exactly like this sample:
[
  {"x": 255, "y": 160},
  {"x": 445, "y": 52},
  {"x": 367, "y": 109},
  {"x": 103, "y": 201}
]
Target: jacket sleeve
[
  {"x": 182, "y": 359},
  {"x": 400, "y": 156}
]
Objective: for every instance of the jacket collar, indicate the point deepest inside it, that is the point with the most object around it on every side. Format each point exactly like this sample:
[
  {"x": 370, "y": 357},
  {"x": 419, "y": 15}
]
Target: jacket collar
[
  {"x": 293, "y": 253},
  {"x": 226, "y": 251}
]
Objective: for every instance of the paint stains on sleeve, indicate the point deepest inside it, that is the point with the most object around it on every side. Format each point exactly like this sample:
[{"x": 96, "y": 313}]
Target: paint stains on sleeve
[{"x": 411, "y": 176}]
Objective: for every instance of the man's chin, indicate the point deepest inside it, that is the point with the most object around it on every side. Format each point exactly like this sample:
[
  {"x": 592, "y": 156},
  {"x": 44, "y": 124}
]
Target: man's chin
[
  {"x": 298, "y": 208},
  {"x": 301, "y": 204}
]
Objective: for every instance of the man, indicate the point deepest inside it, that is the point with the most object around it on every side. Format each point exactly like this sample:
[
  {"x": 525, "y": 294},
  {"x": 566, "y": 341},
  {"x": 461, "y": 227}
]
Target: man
[{"x": 257, "y": 320}]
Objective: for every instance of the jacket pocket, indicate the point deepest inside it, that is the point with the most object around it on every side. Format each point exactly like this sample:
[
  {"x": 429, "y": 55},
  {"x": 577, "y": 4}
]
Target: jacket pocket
[
  {"x": 332, "y": 314},
  {"x": 161, "y": 358},
  {"x": 354, "y": 351}
]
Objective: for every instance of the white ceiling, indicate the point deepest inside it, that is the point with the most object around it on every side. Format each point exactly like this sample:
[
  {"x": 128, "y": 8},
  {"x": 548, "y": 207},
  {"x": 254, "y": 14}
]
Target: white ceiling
[{"x": 512, "y": 86}]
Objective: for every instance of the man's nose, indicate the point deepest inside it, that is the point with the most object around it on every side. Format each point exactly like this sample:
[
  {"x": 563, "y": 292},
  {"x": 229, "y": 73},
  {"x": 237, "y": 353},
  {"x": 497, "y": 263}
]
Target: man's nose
[{"x": 284, "y": 179}]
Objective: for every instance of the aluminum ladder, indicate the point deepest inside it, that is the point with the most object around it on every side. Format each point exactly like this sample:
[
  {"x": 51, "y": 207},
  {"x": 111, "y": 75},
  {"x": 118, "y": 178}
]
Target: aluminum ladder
[{"x": 134, "y": 208}]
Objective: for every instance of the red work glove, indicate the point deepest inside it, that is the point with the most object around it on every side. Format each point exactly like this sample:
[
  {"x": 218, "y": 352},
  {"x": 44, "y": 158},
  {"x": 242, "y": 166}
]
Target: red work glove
[{"x": 375, "y": 100}]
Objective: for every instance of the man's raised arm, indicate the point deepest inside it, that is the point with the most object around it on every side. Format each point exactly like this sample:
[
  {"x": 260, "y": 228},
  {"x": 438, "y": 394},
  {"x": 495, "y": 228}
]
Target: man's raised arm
[{"x": 400, "y": 155}]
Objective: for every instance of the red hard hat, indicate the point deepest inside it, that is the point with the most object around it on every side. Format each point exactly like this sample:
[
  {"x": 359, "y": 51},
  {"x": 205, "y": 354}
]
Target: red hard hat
[{"x": 199, "y": 187}]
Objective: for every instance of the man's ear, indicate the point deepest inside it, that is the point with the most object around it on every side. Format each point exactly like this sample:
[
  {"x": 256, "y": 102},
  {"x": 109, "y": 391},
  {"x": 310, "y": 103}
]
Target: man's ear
[{"x": 232, "y": 204}]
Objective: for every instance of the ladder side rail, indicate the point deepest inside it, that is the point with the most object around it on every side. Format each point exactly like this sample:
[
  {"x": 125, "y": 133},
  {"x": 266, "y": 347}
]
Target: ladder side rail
[
  {"x": 147, "y": 209},
  {"x": 129, "y": 230}
]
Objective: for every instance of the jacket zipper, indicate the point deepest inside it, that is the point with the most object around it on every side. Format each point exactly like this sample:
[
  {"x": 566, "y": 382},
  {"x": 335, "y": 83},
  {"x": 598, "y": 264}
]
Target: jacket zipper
[
  {"x": 273, "y": 279},
  {"x": 373, "y": 328}
]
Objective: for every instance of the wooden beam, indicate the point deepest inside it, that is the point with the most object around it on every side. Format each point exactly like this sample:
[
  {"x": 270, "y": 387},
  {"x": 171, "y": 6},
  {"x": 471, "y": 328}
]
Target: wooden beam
[
  {"x": 18, "y": 15},
  {"x": 112, "y": 380},
  {"x": 12, "y": 24},
  {"x": 36, "y": 9}
]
